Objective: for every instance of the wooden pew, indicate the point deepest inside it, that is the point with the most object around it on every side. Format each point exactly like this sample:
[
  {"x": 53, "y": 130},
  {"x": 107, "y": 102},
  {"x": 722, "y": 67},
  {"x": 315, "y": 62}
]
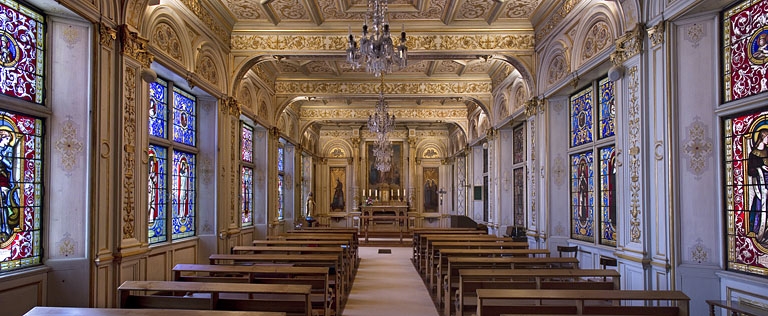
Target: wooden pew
[
  {"x": 425, "y": 248},
  {"x": 436, "y": 270},
  {"x": 316, "y": 277},
  {"x": 337, "y": 275},
  {"x": 419, "y": 241},
  {"x": 496, "y": 302},
  {"x": 320, "y": 236},
  {"x": 343, "y": 244},
  {"x": 82, "y": 311},
  {"x": 470, "y": 280},
  {"x": 292, "y": 299},
  {"x": 346, "y": 261},
  {"x": 450, "y": 280},
  {"x": 735, "y": 308},
  {"x": 435, "y": 246}
]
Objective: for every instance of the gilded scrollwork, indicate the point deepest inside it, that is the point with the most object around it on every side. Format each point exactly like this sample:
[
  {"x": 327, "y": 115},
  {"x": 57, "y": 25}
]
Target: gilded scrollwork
[
  {"x": 556, "y": 18},
  {"x": 135, "y": 46},
  {"x": 165, "y": 38},
  {"x": 335, "y": 88},
  {"x": 209, "y": 21},
  {"x": 628, "y": 45},
  {"x": 107, "y": 35},
  {"x": 634, "y": 154},
  {"x": 207, "y": 69},
  {"x": 404, "y": 113},
  {"x": 467, "y": 42},
  {"x": 656, "y": 33},
  {"x": 598, "y": 38},
  {"x": 129, "y": 145}
]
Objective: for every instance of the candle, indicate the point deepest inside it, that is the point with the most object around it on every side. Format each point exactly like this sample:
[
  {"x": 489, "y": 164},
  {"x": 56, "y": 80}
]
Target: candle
[
  {"x": 369, "y": 192},
  {"x": 376, "y": 192}
]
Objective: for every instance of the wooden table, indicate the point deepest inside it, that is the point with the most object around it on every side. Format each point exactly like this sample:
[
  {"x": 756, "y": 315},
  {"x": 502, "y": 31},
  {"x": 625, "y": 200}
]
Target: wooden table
[
  {"x": 735, "y": 308},
  {"x": 82, "y": 311}
]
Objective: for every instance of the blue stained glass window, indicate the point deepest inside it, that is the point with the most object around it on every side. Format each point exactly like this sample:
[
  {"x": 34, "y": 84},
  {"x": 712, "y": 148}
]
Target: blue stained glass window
[
  {"x": 22, "y": 55},
  {"x": 158, "y": 108},
  {"x": 21, "y": 174},
  {"x": 607, "y": 108},
  {"x": 246, "y": 143},
  {"x": 582, "y": 196},
  {"x": 280, "y": 159},
  {"x": 157, "y": 190},
  {"x": 280, "y": 199},
  {"x": 581, "y": 117},
  {"x": 184, "y": 119},
  {"x": 246, "y": 196},
  {"x": 183, "y": 194},
  {"x": 607, "y": 196}
]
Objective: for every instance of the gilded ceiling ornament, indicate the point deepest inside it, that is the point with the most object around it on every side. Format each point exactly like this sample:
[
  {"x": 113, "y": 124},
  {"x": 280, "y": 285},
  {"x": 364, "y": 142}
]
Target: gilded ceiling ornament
[
  {"x": 290, "y": 10},
  {"x": 473, "y": 9},
  {"x": 214, "y": 26},
  {"x": 335, "y": 88},
  {"x": 165, "y": 38},
  {"x": 245, "y": 9},
  {"x": 520, "y": 8},
  {"x": 555, "y": 19},
  {"x": 465, "y": 42}
]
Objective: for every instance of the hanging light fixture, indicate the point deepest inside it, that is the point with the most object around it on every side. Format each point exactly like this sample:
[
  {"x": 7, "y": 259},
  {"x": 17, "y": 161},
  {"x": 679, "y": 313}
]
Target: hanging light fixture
[
  {"x": 377, "y": 51},
  {"x": 380, "y": 123}
]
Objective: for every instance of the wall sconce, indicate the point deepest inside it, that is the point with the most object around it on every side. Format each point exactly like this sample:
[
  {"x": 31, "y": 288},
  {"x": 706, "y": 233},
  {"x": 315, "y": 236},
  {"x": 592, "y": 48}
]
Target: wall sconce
[{"x": 148, "y": 75}]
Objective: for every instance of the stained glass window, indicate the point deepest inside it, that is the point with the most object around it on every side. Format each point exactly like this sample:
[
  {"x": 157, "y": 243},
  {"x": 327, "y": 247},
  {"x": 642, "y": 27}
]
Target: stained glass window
[
  {"x": 582, "y": 196},
  {"x": 607, "y": 108},
  {"x": 581, "y": 117},
  {"x": 158, "y": 108},
  {"x": 22, "y": 55},
  {"x": 746, "y": 184},
  {"x": 157, "y": 191},
  {"x": 607, "y": 196},
  {"x": 518, "y": 144},
  {"x": 246, "y": 196},
  {"x": 21, "y": 174},
  {"x": 745, "y": 49},
  {"x": 183, "y": 194},
  {"x": 518, "y": 176},
  {"x": 172, "y": 197},
  {"x": 280, "y": 159},
  {"x": 246, "y": 143},
  {"x": 280, "y": 200},
  {"x": 184, "y": 119}
]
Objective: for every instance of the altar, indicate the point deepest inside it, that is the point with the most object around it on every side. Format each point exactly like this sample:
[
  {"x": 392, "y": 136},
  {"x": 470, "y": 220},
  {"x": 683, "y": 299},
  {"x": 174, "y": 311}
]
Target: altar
[{"x": 391, "y": 217}]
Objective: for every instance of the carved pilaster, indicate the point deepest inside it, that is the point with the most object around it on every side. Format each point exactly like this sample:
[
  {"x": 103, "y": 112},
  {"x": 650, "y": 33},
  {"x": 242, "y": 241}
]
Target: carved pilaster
[
  {"x": 656, "y": 33},
  {"x": 628, "y": 45},
  {"x": 531, "y": 107},
  {"x": 135, "y": 46},
  {"x": 129, "y": 152},
  {"x": 107, "y": 35}
]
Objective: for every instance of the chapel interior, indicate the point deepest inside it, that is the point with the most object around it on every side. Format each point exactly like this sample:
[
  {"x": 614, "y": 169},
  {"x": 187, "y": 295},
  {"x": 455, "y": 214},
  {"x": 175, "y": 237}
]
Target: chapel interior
[{"x": 136, "y": 135}]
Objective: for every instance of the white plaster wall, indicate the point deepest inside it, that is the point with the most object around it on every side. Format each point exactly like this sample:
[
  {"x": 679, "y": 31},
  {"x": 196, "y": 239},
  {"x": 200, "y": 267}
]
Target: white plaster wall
[
  {"x": 69, "y": 138},
  {"x": 506, "y": 205},
  {"x": 558, "y": 195},
  {"x": 206, "y": 179},
  {"x": 476, "y": 180}
]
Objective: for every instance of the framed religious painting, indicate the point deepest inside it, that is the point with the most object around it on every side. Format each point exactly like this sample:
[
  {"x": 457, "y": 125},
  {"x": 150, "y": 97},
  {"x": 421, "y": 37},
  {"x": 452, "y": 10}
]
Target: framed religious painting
[
  {"x": 431, "y": 192},
  {"x": 393, "y": 177},
  {"x": 746, "y": 191},
  {"x": 338, "y": 187},
  {"x": 745, "y": 49}
]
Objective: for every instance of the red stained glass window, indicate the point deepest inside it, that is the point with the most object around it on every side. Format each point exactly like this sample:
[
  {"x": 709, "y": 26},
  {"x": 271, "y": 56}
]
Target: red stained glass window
[
  {"x": 745, "y": 49},
  {"x": 21, "y": 52}
]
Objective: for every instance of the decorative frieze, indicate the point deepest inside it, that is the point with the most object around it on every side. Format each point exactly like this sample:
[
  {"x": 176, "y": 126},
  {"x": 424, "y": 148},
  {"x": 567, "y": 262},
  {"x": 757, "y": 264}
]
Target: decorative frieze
[
  {"x": 129, "y": 145},
  {"x": 464, "y": 42},
  {"x": 628, "y": 45},
  {"x": 205, "y": 17},
  {"x": 135, "y": 47},
  {"x": 556, "y": 18},
  {"x": 394, "y": 88},
  {"x": 404, "y": 113}
]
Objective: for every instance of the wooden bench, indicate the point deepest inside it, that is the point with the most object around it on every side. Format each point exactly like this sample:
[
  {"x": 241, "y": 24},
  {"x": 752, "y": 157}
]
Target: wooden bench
[
  {"x": 337, "y": 275},
  {"x": 316, "y": 277},
  {"x": 735, "y": 308},
  {"x": 343, "y": 244},
  {"x": 470, "y": 280},
  {"x": 291, "y": 299},
  {"x": 425, "y": 258},
  {"x": 496, "y": 302},
  {"x": 435, "y": 246},
  {"x": 450, "y": 280},
  {"x": 436, "y": 270},
  {"x": 82, "y": 311},
  {"x": 420, "y": 241}
]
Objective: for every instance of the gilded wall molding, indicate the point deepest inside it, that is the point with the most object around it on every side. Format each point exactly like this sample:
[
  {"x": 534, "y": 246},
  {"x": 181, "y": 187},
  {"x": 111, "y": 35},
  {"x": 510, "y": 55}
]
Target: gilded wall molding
[
  {"x": 628, "y": 45},
  {"x": 165, "y": 38},
  {"x": 656, "y": 33},
  {"x": 463, "y": 42},
  {"x": 107, "y": 35},
  {"x": 417, "y": 87},
  {"x": 404, "y": 113},
  {"x": 634, "y": 154},
  {"x": 135, "y": 47},
  {"x": 129, "y": 144},
  {"x": 533, "y": 188},
  {"x": 205, "y": 17},
  {"x": 556, "y": 18}
]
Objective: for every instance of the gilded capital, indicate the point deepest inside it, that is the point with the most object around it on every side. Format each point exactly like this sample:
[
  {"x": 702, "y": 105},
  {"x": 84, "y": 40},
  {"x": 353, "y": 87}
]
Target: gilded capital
[
  {"x": 107, "y": 35},
  {"x": 531, "y": 107},
  {"x": 656, "y": 33},
  {"x": 135, "y": 46},
  {"x": 628, "y": 45},
  {"x": 233, "y": 106}
]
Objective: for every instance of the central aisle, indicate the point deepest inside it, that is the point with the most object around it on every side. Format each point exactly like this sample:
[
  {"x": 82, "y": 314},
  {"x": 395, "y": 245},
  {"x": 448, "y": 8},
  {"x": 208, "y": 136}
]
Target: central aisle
[{"x": 388, "y": 285}]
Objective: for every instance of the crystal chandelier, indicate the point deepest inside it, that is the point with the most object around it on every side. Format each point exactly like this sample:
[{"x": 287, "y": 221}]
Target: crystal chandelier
[
  {"x": 377, "y": 51},
  {"x": 380, "y": 123}
]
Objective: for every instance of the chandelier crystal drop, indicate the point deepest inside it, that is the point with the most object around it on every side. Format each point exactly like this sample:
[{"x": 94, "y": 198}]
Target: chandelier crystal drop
[
  {"x": 381, "y": 123},
  {"x": 377, "y": 50}
]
